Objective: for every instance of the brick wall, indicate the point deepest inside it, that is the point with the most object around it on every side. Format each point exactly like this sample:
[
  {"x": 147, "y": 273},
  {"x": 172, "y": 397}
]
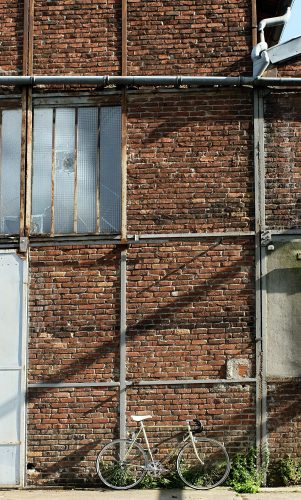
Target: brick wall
[
  {"x": 284, "y": 419},
  {"x": 11, "y": 37},
  {"x": 191, "y": 307},
  {"x": 228, "y": 412},
  {"x": 189, "y": 37},
  {"x": 283, "y": 160},
  {"x": 74, "y": 314},
  {"x": 66, "y": 428},
  {"x": 190, "y": 164},
  {"x": 74, "y": 37}
]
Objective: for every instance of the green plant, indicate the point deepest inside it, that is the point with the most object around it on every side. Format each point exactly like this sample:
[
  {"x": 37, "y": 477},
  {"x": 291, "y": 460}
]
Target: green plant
[
  {"x": 244, "y": 476},
  {"x": 285, "y": 472}
]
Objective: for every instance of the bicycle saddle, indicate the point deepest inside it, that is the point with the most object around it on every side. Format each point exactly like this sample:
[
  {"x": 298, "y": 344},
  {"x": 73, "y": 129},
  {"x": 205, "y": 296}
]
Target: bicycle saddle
[{"x": 139, "y": 418}]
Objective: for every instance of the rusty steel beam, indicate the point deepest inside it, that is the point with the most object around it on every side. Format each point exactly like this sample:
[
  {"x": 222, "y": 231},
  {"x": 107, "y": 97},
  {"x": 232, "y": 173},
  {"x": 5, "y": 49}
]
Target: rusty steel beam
[{"x": 28, "y": 161}]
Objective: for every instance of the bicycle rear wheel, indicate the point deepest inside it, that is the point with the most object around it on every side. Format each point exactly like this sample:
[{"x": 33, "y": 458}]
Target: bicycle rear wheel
[
  {"x": 205, "y": 469},
  {"x": 121, "y": 464}
]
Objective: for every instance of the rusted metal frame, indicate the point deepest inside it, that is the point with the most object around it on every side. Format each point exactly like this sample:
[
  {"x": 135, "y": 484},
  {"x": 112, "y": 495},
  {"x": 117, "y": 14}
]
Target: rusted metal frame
[
  {"x": 53, "y": 165},
  {"x": 124, "y": 38},
  {"x": 30, "y": 36},
  {"x": 28, "y": 165},
  {"x": 254, "y": 23},
  {"x": 23, "y": 162},
  {"x": 75, "y": 208},
  {"x": 98, "y": 167},
  {"x": 25, "y": 37},
  {"x": 260, "y": 273}
]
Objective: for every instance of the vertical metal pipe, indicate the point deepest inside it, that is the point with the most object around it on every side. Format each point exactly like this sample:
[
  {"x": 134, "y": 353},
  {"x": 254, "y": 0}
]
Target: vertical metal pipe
[
  {"x": 122, "y": 348},
  {"x": 260, "y": 272}
]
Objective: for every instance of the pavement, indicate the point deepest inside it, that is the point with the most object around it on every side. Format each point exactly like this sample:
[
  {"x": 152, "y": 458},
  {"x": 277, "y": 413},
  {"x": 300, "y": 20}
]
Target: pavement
[{"x": 292, "y": 493}]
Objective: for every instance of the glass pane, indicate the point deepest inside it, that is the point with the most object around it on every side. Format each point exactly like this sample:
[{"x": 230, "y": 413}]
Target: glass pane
[
  {"x": 42, "y": 168},
  {"x": 86, "y": 169},
  {"x": 110, "y": 169},
  {"x": 64, "y": 171},
  {"x": 10, "y": 171}
]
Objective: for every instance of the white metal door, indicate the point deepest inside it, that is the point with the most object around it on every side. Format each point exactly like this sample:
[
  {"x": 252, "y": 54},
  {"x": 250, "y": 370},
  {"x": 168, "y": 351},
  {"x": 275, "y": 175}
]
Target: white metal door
[{"x": 13, "y": 321}]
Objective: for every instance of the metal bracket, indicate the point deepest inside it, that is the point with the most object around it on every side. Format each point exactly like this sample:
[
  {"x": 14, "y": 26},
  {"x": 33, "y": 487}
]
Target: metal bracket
[
  {"x": 23, "y": 244},
  {"x": 266, "y": 238}
]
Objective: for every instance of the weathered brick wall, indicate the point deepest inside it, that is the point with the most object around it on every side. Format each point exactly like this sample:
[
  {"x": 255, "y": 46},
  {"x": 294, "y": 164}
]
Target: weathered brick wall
[
  {"x": 74, "y": 314},
  {"x": 284, "y": 419},
  {"x": 227, "y": 411},
  {"x": 283, "y": 160},
  {"x": 74, "y": 37},
  {"x": 190, "y": 165},
  {"x": 66, "y": 428},
  {"x": 189, "y": 37},
  {"x": 191, "y": 307},
  {"x": 11, "y": 36}
]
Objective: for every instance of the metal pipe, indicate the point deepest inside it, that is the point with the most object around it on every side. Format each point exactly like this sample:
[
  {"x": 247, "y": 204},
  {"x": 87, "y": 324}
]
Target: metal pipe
[
  {"x": 41, "y": 385},
  {"x": 154, "y": 81},
  {"x": 122, "y": 345},
  {"x": 273, "y": 21},
  {"x": 192, "y": 382}
]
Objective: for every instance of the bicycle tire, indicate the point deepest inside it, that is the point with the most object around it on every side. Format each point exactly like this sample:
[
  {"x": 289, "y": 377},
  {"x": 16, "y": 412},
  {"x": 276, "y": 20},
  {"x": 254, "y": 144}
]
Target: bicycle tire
[
  {"x": 211, "y": 472},
  {"x": 121, "y": 474}
]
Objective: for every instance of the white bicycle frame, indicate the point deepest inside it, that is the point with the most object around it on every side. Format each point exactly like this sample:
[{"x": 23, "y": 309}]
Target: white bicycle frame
[{"x": 143, "y": 431}]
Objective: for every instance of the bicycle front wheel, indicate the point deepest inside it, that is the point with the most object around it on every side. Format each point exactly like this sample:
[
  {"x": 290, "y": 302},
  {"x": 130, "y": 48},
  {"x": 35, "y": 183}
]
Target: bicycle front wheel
[
  {"x": 203, "y": 464},
  {"x": 121, "y": 464}
]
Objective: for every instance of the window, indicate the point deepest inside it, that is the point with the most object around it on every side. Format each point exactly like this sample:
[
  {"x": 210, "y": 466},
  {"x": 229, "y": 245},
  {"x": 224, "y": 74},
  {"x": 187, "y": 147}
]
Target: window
[
  {"x": 10, "y": 166},
  {"x": 76, "y": 180}
]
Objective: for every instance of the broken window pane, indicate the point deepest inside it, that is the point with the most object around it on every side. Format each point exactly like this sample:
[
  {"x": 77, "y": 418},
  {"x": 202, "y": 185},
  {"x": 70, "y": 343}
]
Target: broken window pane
[
  {"x": 10, "y": 171},
  {"x": 64, "y": 171},
  {"x": 76, "y": 170}
]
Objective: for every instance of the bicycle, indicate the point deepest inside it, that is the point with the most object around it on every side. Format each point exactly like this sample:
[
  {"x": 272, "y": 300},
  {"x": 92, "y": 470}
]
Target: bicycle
[{"x": 202, "y": 463}]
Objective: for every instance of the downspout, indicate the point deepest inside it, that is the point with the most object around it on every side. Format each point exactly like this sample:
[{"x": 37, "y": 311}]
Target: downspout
[{"x": 272, "y": 21}]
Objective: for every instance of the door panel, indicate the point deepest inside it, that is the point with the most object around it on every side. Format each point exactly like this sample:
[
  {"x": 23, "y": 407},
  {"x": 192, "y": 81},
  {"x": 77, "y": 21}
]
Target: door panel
[{"x": 13, "y": 271}]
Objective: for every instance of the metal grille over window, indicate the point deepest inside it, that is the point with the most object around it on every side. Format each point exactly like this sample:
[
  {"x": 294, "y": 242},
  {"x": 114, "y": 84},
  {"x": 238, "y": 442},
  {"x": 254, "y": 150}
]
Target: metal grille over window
[
  {"x": 10, "y": 161},
  {"x": 76, "y": 185}
]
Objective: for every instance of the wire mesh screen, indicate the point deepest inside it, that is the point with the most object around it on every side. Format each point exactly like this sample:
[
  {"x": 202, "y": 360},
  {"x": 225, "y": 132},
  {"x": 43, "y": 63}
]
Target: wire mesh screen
[
  {"x": 10, "y": 161},
  {"x": 76, "y": 170}
]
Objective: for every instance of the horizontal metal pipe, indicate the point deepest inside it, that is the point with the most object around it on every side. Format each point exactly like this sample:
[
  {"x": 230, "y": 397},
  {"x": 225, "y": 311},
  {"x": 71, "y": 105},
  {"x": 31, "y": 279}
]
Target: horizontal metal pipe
[
  {"x": 72, "y": 384},
  {"x": 177, "y": 81},
  {"x": 192, "y": 382}
]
